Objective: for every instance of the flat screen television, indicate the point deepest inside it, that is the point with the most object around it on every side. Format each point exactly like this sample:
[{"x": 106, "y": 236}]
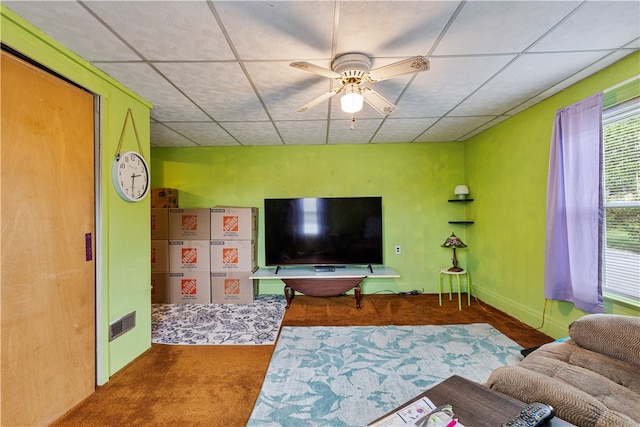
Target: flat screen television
[{"x": 333, "y": 231}]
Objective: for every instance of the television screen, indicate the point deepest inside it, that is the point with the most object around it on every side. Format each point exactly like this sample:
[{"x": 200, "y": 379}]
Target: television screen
[{"x": 323, "y": 231}]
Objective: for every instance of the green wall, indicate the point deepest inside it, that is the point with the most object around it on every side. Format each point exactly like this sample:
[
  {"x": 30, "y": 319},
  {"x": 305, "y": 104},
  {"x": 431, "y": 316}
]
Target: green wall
[
  {"x": 123, "y": 273},
  {"x": 414, "y": 180},
  {"x": 506, "y": 167}
]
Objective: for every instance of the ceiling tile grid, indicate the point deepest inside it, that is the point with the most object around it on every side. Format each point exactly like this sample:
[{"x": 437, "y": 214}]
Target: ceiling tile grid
[{"x": 218, "y": 74}]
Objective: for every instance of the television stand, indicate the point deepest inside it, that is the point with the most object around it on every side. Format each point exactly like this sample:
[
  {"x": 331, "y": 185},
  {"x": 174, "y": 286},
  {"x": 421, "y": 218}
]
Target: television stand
[{"x": 309, "y": 281}]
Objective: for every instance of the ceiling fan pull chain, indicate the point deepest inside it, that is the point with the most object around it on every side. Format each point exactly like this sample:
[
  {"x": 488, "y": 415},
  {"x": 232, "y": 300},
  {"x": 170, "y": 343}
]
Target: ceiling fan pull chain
[{"x": 353, "y": 122}]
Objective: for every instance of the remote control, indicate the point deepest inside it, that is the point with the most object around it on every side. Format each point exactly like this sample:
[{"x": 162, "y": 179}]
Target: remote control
[{"x": 534, "y": 415}]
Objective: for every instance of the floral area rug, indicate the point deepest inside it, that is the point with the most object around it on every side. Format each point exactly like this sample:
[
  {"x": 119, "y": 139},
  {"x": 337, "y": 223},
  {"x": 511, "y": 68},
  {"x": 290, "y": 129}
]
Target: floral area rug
[
  {"x": 348, "y": 376},
  {"x": 218, "y": 324}
]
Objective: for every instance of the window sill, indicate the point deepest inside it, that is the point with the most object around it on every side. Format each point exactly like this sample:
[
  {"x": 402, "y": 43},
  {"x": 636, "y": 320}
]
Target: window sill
[{"x": 635, "y": 304}]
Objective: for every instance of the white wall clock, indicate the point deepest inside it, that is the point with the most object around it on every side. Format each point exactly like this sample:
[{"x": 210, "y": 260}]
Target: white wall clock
[
  {"x": 130, "y": 175},
  {"x": 130, "y": 172}
]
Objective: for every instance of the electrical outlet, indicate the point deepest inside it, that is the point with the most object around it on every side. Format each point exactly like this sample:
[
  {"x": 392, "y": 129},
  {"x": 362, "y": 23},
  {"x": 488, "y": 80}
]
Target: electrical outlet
[{"x": 398, "y": 250}]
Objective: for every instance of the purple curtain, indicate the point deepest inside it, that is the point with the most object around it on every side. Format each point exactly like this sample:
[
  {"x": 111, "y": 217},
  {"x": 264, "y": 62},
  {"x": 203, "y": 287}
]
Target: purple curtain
[{"x": 573, "y": 248}]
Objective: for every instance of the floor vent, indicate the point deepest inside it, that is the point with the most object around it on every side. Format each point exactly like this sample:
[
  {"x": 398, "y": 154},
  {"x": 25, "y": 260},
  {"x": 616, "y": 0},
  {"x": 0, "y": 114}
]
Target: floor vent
[{"x": 122, "y": 325}]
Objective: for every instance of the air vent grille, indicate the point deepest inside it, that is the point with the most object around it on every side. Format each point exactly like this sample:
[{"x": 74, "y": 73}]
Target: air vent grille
[{"x": 122, "y": 325}]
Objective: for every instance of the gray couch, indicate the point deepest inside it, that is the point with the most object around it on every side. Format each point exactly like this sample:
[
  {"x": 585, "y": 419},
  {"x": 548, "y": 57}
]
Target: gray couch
[{"x": 592, "y": 379}]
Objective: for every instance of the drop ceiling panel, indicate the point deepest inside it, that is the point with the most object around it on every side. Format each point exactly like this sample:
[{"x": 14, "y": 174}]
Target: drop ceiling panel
[
  {"x": 204, "y": 133},
  {"x": 72, "y": 25},
  {"x": 588, "y": 21},
  {"x": 501, "y": 26},
  {"x": 452, "y": 128},
  {"x": 218, "y": 88},
  {"x": 162, "y": 136},
  {"x": 449, "y": 81},
  {"x": 166, "y": 30},
  {"x": 393, "y": 29},
  {"x": 253, "y": 133},
  {"x": 290, "y": 30},
  {"x": 284, "y": 89},
  {"x": 402, "y": 130},
  {"x": 523, "y": 77},
  {"x": 340, "y": 131},
  {"x": 303, "y": 132},
  {"x": 168, "y": 103}
]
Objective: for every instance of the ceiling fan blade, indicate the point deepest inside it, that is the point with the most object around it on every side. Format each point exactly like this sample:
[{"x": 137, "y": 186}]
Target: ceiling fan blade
[
  {"x": 309, "y": 105},
  {"x": 407, "y": 66},
  {"x": 377, "y": 101},
  {"x": 316, "y": 69}
]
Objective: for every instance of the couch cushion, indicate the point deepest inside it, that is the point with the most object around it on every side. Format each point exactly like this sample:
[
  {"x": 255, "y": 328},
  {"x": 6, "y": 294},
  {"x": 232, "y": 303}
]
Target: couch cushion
[
  {"x": 610, "y": 334},
  {"x": 571, "y": 404}
]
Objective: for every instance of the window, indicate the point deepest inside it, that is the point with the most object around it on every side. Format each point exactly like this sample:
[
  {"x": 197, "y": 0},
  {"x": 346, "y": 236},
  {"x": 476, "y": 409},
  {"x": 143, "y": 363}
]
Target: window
[{"x": 621, "y": 132}]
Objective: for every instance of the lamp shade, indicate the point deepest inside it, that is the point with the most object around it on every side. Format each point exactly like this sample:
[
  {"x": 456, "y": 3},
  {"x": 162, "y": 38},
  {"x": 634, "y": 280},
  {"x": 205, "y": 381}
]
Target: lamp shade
[
  {"x": 453, "y": 241},
  {"x": 351, "y": 101},
  {"x": 461, "y": 191}
]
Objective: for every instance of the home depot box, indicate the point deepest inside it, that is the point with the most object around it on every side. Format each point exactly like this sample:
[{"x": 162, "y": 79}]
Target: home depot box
[
  {"x": 164, "y": 198},
  {"x": 159, "y": 256},
  {"x": 159, "y": 288},
  {"x": 233, "y": 255},
  {"x": 160, "y": 224},
  {"x": 193, "y": 224},
  {"x": 234, "y": 223},
  {"x": 233, "y": 288},
  {"x": 189, "y": 255},
  {"x": 190, "y": 287}
]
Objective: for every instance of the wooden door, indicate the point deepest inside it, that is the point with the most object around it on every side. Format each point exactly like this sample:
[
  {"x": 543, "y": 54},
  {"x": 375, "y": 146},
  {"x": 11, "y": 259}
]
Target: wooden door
[{"x": 47, "y": 218}]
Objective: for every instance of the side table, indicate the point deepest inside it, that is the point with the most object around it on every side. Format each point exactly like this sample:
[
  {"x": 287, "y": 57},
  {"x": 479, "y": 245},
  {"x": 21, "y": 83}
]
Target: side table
[
  {"x": 445, "y": 272},
  {"x": 474, "y": 404}
]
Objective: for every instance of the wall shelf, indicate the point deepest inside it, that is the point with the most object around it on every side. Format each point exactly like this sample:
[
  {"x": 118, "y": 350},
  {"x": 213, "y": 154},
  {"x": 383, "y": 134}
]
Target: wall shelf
[{"x": 460, "y": 222}]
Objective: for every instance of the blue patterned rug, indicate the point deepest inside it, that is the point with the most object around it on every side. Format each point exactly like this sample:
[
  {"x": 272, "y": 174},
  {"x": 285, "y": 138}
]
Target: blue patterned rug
[
  {"x": 207, "y": 324},
  {"x": 349, "y": 376}
]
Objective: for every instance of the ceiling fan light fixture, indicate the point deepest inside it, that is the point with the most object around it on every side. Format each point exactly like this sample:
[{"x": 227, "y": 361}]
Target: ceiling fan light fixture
[{"x": 352, "y": 101}]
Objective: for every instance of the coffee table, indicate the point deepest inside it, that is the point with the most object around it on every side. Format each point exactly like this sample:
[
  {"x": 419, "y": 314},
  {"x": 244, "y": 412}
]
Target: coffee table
[{"x": 474, "y": 404}]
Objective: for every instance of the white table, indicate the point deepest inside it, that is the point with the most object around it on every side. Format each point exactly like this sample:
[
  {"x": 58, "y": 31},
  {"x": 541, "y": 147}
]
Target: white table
[{"x": 323, "y": 283}]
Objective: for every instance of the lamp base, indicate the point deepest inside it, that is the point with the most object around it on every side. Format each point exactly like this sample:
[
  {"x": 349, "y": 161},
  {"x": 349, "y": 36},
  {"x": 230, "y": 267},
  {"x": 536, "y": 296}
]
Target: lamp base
[{"x": 457, "y": 269}]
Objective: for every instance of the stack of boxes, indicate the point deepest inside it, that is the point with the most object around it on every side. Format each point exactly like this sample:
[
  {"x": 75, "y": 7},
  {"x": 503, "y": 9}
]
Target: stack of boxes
[
  {"x": 233, "y": 254},
  {"x": 203, "y": 255},
  {"x": 189, "y": 258}
]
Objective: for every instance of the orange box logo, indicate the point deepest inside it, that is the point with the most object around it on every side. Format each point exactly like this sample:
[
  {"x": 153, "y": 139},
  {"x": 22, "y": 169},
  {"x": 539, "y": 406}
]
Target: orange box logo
[
  {"x": 230, "y": 255},
  {"x": 189, "y": 287},
  {"x": 231, "y": 286},
  {"x": 153, "y": 255},
  {"x": 230, "y": 223},
  {"x": 189, "y": 222},
  {"x": 189, "y": 255}
]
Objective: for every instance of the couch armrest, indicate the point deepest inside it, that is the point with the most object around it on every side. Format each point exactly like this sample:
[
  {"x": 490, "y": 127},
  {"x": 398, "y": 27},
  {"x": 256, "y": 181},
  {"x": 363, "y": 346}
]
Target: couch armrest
[{"x": 609, "y": 334}]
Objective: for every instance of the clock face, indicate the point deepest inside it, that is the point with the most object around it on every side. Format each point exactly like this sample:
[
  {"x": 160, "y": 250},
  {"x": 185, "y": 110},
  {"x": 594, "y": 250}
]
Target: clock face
[{"x": 130, "y": 175}]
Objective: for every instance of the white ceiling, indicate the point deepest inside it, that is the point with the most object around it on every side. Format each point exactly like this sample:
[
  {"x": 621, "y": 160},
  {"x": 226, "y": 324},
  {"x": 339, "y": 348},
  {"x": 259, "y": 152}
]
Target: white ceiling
[{"x": 218, "y": 73}]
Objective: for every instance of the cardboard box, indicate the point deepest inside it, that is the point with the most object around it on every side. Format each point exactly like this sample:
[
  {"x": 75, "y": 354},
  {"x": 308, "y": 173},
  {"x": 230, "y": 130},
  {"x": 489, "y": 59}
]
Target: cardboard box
[
  {"x": 159, "y": 256},
  {"x": 192, "y": 224},
  {"x": 160, "y": 224},
  {"x": 189, "y": 255},
  {"x": 233, "y": 255},
  {"x": 231, "y": 223},
  {"x": 233, "y": 288},
  {"x": 190, "y": 287},
  {"x": 159, "y": 288},
  {"x": 164, "y": 198}
]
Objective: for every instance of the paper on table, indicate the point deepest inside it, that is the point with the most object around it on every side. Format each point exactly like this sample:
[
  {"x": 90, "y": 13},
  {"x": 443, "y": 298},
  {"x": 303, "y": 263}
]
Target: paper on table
[{"x": 408, "y": 415}]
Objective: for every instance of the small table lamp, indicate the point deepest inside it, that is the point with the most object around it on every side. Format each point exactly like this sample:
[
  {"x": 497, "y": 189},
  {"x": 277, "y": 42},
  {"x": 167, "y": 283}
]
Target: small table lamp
[{"x": 454, "y": 243}]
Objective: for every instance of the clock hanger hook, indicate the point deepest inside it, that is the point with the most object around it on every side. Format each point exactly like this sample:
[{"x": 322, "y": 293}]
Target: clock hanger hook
[{"x": 124, "y": 128}]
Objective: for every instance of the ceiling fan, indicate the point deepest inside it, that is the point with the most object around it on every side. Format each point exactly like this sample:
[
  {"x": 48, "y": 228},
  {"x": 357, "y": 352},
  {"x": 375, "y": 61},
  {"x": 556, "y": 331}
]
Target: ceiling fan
[{"x": 353, "y": 69}]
